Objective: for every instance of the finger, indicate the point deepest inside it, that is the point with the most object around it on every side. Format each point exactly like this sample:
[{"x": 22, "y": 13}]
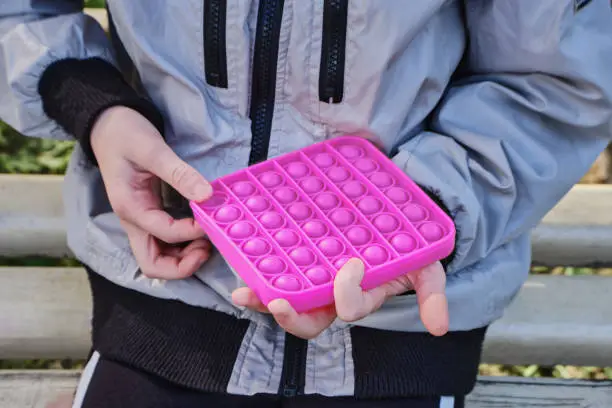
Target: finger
[
  {"x": 245, "y": 297},
  {"x": 160, "y": 224},
  {"x": 197, "y": 244},
  {"x": 161, "y": 160},
  {"x": 152, "y": 260},
  {"x": 305, "y": 325},
  {"x": 352, "y": 302},
  {"x": 147, "y": 252},
  {"x": 429, "y": 285},
  {"x": 190, "y": 262},
  {"x": 180, "y": 250}
]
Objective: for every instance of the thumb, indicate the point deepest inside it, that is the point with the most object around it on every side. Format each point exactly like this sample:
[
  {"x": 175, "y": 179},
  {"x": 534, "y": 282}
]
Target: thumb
[{"x": 186, "y": 180}]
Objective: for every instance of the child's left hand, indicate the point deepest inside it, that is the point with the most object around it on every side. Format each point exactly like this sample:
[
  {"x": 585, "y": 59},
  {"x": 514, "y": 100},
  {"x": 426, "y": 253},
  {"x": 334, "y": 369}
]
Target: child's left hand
[{"x": 353, "y": 303}]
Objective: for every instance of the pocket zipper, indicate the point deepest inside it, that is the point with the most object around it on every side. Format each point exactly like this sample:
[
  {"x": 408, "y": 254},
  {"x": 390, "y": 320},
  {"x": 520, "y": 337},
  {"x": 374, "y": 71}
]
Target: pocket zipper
[
  {"x": 215, "y": 58},
  {"x": 331, "y": 75}
]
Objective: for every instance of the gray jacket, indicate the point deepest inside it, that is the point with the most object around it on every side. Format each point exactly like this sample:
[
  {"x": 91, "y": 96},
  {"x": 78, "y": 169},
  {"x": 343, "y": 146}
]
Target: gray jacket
[{"x": 498, "y": 106}]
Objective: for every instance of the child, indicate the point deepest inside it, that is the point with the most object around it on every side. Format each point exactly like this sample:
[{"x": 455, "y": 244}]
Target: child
[{"x": 496, "y": 108}]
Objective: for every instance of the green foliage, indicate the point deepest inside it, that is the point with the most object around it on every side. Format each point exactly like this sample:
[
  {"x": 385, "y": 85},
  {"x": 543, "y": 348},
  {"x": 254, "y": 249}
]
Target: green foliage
[
  {"x": 20, "y": 154},
  {"x": 34, "y": 261},
  {"x": 558, "y": 371},
  {"x": 94, "y": 3},
  {"x": 41, "y": 364}
]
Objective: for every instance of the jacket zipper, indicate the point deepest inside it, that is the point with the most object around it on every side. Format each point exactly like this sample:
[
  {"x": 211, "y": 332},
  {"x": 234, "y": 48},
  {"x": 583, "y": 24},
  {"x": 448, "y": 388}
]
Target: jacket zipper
[
  {"x": 294, "y": 367},
  {"x": 269, "y": 19},
  {"x": 215, "y": 58},
  {"x": 265, "y": 59},
  {"x": 331, "y": 76}
]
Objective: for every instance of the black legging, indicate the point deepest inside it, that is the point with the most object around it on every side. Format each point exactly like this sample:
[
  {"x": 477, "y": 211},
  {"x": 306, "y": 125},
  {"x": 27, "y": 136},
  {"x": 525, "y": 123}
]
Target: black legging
[{"x": 111, "y": 384}]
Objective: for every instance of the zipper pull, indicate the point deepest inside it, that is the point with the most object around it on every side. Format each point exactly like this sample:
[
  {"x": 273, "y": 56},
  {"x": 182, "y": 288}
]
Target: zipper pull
[{"x": 290, "y": 390}]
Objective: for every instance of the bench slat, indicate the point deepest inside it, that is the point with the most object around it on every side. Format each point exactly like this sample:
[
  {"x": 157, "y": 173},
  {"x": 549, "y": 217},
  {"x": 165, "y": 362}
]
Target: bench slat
[
  {"x": 516, "y": 392},
  {"x": 578, "y": 231},
  {"x": 45, "y": 313},
  {"x": 99, "y": 14},
  {"x": 554, "y": 320},
  {"x": 36, "y": 389}
]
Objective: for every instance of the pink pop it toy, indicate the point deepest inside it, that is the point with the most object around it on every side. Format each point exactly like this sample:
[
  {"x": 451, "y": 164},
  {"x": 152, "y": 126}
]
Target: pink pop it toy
[{"x": 288, "y": 224}]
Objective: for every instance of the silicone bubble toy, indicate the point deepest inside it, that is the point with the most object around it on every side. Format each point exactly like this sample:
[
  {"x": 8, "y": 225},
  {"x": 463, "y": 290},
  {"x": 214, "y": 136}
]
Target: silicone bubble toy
[{"x": 288, "y": 224}]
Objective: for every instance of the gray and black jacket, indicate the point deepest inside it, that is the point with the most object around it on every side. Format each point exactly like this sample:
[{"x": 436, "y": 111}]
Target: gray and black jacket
[{"x": 497, "y": 107}]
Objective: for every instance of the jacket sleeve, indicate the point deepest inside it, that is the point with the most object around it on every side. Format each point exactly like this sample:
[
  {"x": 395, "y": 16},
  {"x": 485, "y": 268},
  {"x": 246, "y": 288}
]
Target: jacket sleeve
[
  {"x": 528, "y": 116},
  {"x": 57, "y": 72}
]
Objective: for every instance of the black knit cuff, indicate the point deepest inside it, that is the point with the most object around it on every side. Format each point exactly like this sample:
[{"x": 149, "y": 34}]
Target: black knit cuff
[
  {"x": 394, "y": 364},
  {"x": 436, "y": 199},
  {"x": 75, "y": 92}
]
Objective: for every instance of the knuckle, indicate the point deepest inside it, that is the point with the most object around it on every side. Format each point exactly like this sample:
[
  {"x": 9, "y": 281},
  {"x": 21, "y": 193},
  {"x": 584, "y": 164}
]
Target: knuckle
[
  {"x": 121, "y": 208},
  {"x": 350, "y": 315},
  {"x": 181, "y": 174}
]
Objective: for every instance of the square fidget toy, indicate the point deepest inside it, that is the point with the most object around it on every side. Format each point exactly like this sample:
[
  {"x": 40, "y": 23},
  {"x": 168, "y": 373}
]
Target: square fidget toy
[{"x": 288, "y": 224}]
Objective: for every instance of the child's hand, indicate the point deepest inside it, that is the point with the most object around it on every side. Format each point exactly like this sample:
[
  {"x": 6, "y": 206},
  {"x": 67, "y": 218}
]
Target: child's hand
[
  {"x": 353, "y": 303},
  {"x": 133, "y": 159}
]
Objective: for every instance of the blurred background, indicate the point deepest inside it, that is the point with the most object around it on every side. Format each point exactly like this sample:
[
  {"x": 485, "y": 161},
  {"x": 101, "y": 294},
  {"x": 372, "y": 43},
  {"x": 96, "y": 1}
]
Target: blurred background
[{"x": 22, "y": 155}]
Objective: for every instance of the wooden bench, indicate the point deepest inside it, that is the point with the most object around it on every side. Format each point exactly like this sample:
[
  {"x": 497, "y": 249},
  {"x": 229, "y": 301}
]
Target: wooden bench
[{"x": 554, "y": 320}]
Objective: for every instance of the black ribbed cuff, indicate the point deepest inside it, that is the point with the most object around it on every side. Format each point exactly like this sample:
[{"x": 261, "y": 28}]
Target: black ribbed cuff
[
  {"x": 391, "y": 364},
  {"x": 75, "y": 92},
  {"x": 189, "y": 346},
  {"x": 435, "y": 197}
]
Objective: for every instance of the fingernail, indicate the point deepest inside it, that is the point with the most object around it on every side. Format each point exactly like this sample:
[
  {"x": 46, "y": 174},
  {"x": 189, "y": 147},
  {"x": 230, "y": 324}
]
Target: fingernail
[
  {"x": 202, "y": 191},
  {"x": 278, "y": 307},
  {"x": 239, "y": 297}
]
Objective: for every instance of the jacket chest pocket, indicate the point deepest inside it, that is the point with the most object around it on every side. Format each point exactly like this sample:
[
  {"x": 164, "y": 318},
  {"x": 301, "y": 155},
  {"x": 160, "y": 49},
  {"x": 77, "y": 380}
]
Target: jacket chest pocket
[{"x": 348, "y": 58}]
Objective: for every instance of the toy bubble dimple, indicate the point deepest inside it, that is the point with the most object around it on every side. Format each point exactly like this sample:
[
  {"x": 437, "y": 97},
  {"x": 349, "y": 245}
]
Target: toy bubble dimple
[
  {"x": 331, "y": 247},
  {"x": 288, "y": 224},
  {"x": 257, "y": 203},
  {"x": 415, "y": 212},
  {"x": 288, "y": 283},
  {"x": 297, "y": 169},
  {"x": 241, "y": 229},
  {"x": 431, "y": 231},
  {"x": 243, "y": 188},
  {"x": 369, "y": 205},
  {"x": 397, "y": 195},
  {"x": 287, "y": 238},
  {"x": 358, "y": 235},
  {"x": 375, "y": 254},
  {"x": 350, "y": 151},
  {"x": 403, "y": 243},
  {"x": 311, "y": 185},
  {"x": 270, "y": 179},
  {"x": 272, "y": 265},
  {"x": 338, "y": 174},
  {"x": 271, "y": 220},
  {"x": 386, "y": 223},
  {"x": 381, "y": 179},
  {"x": 302, "y": 256},
  {"x": 342, "y": 217},
  {"x": 366, "y": 165},
  {"x": 216, "y": 200},
  {"x": 354, "y": 189},
  {"x": 314, "y": 228},
  {"x": 326, "y": 201},
  {"x": 299, "y": 211},
  {"x": 285, "y": 195},
  {"x": 323, "y": 160},
  {"x": 227, "y": 214},
  {"x": 318, "y": 275},
  {"x": 256, "y": 247}
]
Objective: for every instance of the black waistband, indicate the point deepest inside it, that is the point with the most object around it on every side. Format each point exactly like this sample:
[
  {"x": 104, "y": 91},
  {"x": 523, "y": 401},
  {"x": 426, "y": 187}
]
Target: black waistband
[{"x": 196, "y": 348}]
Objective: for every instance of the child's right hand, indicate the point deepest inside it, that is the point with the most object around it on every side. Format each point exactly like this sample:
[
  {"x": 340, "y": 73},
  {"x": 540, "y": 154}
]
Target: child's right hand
[
  {"x": 352, "y": 303},
  {"x": 133, "y": 159}
]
